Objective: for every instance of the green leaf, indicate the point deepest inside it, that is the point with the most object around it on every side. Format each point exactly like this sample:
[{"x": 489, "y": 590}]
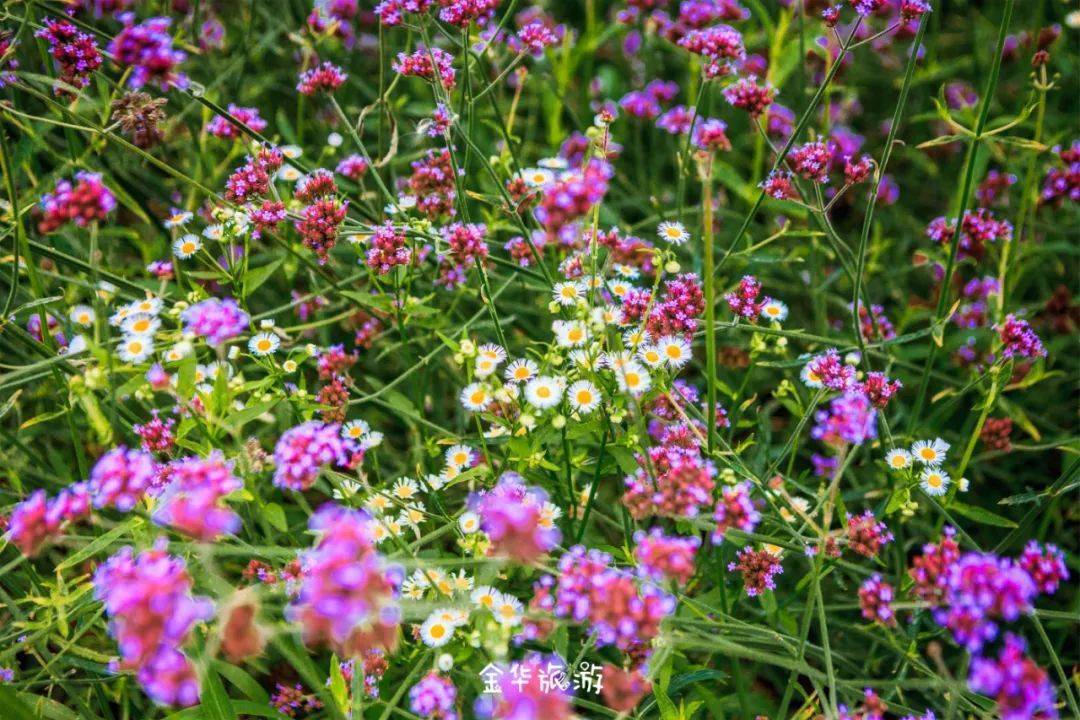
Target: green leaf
[
  {"x": 979, "y": 515},
  {"x": 258, "y": 276},
  {"x": 249, "y": 413},
  {"x": 14, "y": 707},
  {"x": 215, "y": 701},
  {"x": 242, "y": 682},
  {"x": 275, "y": 515},
  {"x": 100, "y": 543},
  {"x": 338, "y": 689},
  {"x": 660, "y": 691}
]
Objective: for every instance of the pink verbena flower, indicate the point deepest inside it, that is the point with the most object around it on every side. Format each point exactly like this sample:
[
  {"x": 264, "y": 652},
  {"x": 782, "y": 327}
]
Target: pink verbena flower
[
  {"x": 461, "y": 13},
  {"x": 192, "y": 501},
  {"x": 572, "y": 195},
  {"x": 76, "y": 53},
  {"x": 779, "y": 186},
  {"x": 215, "y": 319},
  {"x": 325, "y": 78},
  {"x": 353, "y": 167},
  {"x": 811, "y": 161},
  {"x": 429, "y": 64},
  {"x": 318, "y": 184},
  {"x": 84, "y": 202},
  {"x": 434, "y": 697},
  {"x": 1046, "y": 566},
  {"x": 829, "y": 371},
  {"x": 148, "y": 49},
  {"x": 1019, "y": 340},
  {"x": 930, "y": 569},
  {"x": 759, "y": 569},
  {"x": 746, "y": 94},
  {"x": 980, "y": 590},
  {"x": 432, "y": 184},
  {"x": 319, "y": 224},
  {"x": 535, "y": 36},
  {"x": 711, "y": 134},
  {"x": 743, "y": 301},
  {"x": 875, "y": 600},
  {"x": 666, "y": 557},
  {"x": 36, "y": 521},
  {"x": 681, "y": 489},
  {"x": 1021, "y": 688},
  {"x": 152, "y": 613},
  {"x": 156, "y": 434},
  {"x": 388, "y": 249},
  {"x": 678, "y": 313},
  {"x": 268, "y": 215},
  {"x": 515, "y": 519},
  {"x": 734, "y": 509},
  {"x": 221, "y": 127},
  {"x": 880, "y": 389},
  {"x": 866, "y": 535},
  {"x": 348, "y": 596},
  {"x": 850, "y": 418},
  {"x": 1063, "y": 183},
  {"x": 121, "y": 477},
  {"x": 302, "y": 451},
  {"x": 676, "y": 121}
]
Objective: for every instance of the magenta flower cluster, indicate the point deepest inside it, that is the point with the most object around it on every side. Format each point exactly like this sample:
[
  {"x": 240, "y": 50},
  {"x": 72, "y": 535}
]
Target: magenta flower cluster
[
  {"x": 121, "y": 477},
  {"x": 215, "y": 319},
  {"x": 512, "y": 515},
  {"x": 192, "y": 501},
  {"x": 304, "y": 450},
  {"x": 151, "y": 615},
  {"x": 85, "y": 201},
  {"x": 348, "y": 592},
  {"x": 147, "y": 48}
]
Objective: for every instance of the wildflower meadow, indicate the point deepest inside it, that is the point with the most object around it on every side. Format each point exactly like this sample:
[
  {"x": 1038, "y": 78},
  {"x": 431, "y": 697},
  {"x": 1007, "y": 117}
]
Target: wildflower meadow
[{"x": 539, "y": 359}]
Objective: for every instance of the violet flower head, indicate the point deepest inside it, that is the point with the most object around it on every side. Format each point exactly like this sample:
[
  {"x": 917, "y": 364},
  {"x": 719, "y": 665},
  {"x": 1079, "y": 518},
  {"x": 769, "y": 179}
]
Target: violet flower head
[
  {"x": 348, "y": 596},
  {"x": 744, "y": 301},
  {"x": 666, "y": 557},
  {"x": 1021, "y": 688},
  {"x": 192, "y": 501},
  {"x": 734, "y": 509},
  {"x": 434, "y": 697},
  {"x": 759, "y": 569},
  {"x": 148, "y": 49},
  {"x": 850, "y": 418},
  {"x": 1019, "y": 340},
  {"x": 1045, "y": 565},
  {"x": 325, "y": 78},
  {"x": 85, "y": 201},
  {"x": 121, "y": 477},
  {"x": 301, "y": 452},
  {"x": 221, "y": 127},
  {"x": 875, "y": 600},
  {"x": 215, "y": 319},
  {"x": 517, "y": 519},
  {"x": 76, "y": 53}
]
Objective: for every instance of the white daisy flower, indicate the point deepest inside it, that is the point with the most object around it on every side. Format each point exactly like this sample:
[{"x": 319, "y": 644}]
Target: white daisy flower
[
  {"x": 149, "y": 305},
  {"x": 508, "y": 610},
  {"x": 651, "y": 355},
  {"x": 377, "y": 504},
  {"x": 810, "y": 378},
  {"x": 413, "y": 514},
  {"x": 334, "y": 140},
  {"x": 460, "y": 456},
  {"x": 178, "y": 218},
  {"x": 930, "y": 452},
  {"x": 543, "y": 392},
  {"x": 549, "y": 513},
  {"x": 355, "y": 429},
  {"x": 553, "y": 163},
  {"x": 898, "y": 459},
  {"x": 436, "y": 632},
  {"x": 616, "y": 361},
  {"x": 567, "y": 293},
  {"x": 117, "y": 318},
  {"x": 372, "y": 439},
  {"x": 676, "y": 350},
  {"x": 485, "y": 596},
  {"x": 584, "y": 360},
  {"x": 520, "y": 370},
  {"x": 186, "y": 245},
  {"x": 629, "y": 272},
  {"x": 934, "y": 481},
  {"x": 485, "y": 366},
  {"x": 462, "y": 581},
  {"x": 214, "y": 232},
  {"x": 348, "y": 489},
  {"x": 264, "y": 343},
  {"x": 583, "y": 397},
  {"x": 179, "y": 351},
  {"x": 491, "y": 351},
  {"x": 635, "y": 337},
  {"x": 410, "y": 590},
  {"x": 537, "y": 177},
  {"x": 406, "y": 489},
  {"x": 619, "y": 288},
  {"x": 469, "y": 522},
  {"x": 77, "y": 344},
  {"x": 774, "y": 310},
  {"x": 633, "y": 379},
  {"x": 140, "y": 324},
  {"x": 673, "y": 232},
  {"x": 475, "y": 397},
  {"x": 82, "y": 315},
  {"x": 291, "y": 151},
  {"x": 569, "y": 333},
  {"x": 135, "y": 349}
]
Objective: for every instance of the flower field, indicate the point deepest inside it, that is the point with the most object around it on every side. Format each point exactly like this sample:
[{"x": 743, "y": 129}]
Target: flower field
[{"x": 451, "y": 359}]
